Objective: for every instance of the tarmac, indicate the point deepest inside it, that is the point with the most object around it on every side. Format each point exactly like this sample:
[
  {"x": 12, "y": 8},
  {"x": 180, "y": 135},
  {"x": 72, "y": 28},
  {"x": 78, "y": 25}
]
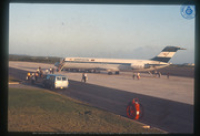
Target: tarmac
[
  {"x": 180, "y": 89},
  {"x": 168, "y": 103}
]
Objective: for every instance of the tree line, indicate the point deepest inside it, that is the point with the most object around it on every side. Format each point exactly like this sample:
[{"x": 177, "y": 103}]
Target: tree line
[{"x": 39, "y": 59}]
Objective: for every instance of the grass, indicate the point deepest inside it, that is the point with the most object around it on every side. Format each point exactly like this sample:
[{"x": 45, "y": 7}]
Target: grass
[{"x": 37, "y": 110}]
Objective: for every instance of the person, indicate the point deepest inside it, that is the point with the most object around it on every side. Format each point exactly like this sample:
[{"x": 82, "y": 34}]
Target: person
[
  {"x": 47, "y": 71},
  {"x": 32, "y": 78},
  {"x": 41, "y": 73},
  {"x": 159, "y": 74},
  {"x": 168, "y": 75},
  {"x": 53, "y": 70},
  {"x": 36, "y": 76},
  {"x": 40, "y": 70},
  {"x": 84, "y": 77},
  {"x": 156, "y": 73},
  {"x": 58, "y": 69},
  {"x": 50, "y": 70},
  {"x": 28, "y": 76},
  {"x": 134, "y": 75},
  {"x": 138, "y": 75}
]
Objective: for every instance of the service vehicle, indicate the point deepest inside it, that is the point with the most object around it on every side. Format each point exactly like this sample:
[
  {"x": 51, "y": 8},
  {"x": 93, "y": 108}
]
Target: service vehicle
[{"x": 55, "y": 81}]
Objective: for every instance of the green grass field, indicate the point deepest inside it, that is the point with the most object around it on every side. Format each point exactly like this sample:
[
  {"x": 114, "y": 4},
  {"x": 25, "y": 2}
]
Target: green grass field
[{"x": 37, "y": 110}]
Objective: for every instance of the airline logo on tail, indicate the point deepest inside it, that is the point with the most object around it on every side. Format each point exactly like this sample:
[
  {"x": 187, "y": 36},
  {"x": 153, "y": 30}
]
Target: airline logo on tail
[{"x": 167, "y": 53}]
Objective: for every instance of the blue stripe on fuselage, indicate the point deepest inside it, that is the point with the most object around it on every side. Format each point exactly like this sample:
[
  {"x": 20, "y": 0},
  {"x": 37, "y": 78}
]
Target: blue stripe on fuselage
[
  {"x": 126, "y": 64},
  {"x": 129, "y": 64}
]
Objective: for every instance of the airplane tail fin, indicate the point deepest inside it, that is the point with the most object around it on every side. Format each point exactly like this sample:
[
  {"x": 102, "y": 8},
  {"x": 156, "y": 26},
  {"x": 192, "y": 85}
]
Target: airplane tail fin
[{"x": 167, "y": 53}]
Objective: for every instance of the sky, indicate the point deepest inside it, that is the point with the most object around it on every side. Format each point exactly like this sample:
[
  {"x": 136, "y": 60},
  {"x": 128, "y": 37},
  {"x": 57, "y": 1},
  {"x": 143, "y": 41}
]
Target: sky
[{"x": 100, "y": 31}]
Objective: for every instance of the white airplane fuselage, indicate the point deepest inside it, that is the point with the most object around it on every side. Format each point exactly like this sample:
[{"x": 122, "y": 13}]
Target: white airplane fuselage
[
  {"x": 117, "y": 65},
  {"x": 112, "y": 65}
]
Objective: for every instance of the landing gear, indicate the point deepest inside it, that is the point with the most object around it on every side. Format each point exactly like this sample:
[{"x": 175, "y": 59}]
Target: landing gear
[
  {"x": 150, "y": 73},
  {"x": 116, "y": 72}
]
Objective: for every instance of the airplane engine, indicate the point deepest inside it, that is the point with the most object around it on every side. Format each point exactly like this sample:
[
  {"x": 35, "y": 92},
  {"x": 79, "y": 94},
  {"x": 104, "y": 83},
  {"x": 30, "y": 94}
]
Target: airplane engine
[{"x": 139, "y": 66}]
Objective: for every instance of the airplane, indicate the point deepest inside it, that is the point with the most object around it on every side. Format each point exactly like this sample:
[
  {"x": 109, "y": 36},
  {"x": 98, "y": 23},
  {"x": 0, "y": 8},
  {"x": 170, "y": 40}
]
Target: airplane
[{"x": 117, "y": 65}]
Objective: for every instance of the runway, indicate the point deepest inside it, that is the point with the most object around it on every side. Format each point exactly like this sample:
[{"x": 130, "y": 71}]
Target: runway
[{"x": 168, "y": 103}]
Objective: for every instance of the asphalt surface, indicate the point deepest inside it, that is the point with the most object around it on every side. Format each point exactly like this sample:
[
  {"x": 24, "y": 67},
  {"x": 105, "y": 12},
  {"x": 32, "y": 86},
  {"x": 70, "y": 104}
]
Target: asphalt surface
[{"x": 171, "y": 116}]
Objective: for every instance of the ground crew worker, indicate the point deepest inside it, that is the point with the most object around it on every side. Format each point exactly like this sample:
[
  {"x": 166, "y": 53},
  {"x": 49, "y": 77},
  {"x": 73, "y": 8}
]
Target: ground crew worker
[
  {"x": 159, "y": 74},
  {"x": 84, "y": 77},
  {"x": 41, "y": 73},
  {"x": 168, "y": 75},
  {"x": 28, "y": 76},
  {"x": 38, "y": 71},
  {"x": 155, "y": 73},
  {"x": 36, "y": 76},
  {"x": 47, "y": 71},
  {"x": 32, "y": 78},
  {"x": 50, "y": 70},
  {"x": 134, "y": 75},
  {"x": 58, "y": 69},
  {"x": 134, "y": 109},
  {"x": 138, "y": 76},
  {"x": 53, "y": 70}
]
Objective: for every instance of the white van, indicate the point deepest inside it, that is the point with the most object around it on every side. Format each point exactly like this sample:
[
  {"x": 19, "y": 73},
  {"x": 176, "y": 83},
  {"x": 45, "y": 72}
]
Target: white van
[{"x": 55, "y": 81}]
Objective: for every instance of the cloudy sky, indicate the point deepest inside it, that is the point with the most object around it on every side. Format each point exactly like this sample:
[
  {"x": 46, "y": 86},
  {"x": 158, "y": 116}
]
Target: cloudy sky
[{"x": 100, "y": 30}]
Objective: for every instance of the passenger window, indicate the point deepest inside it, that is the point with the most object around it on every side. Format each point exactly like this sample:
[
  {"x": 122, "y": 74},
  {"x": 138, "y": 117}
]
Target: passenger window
[
  {"x": 64, "y": 78},
  {"x": 58, "y": 78}
]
